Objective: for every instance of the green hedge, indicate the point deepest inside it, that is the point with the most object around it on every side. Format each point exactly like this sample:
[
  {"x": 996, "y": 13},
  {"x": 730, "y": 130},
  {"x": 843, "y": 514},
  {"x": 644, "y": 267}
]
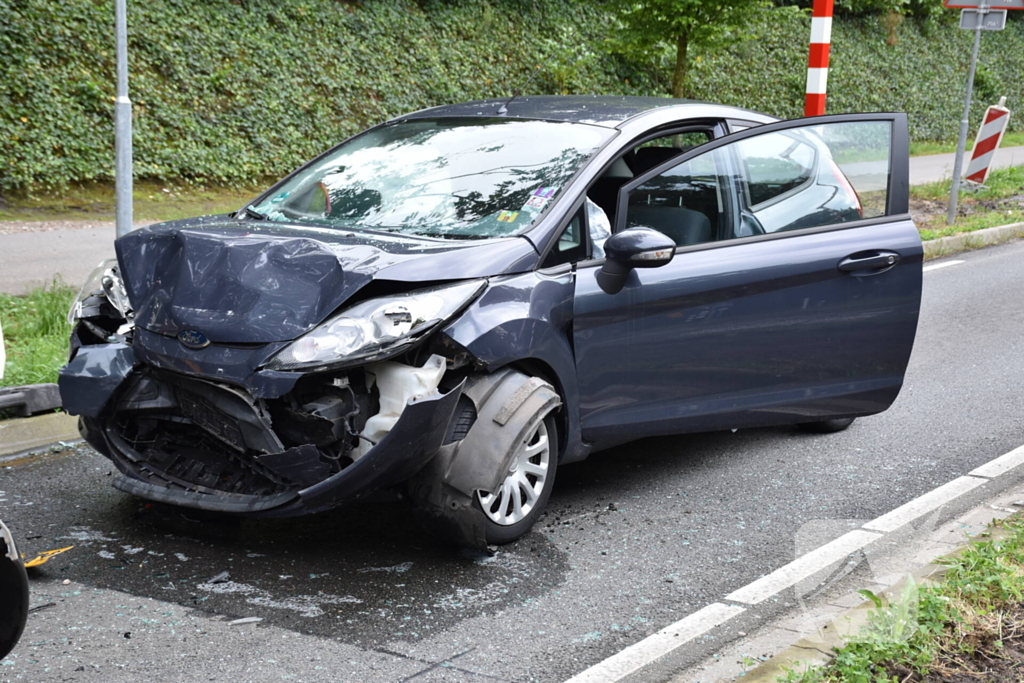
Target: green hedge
[
  {"x": 233, "y": 90},
  {"x": 924, "y": 74}
]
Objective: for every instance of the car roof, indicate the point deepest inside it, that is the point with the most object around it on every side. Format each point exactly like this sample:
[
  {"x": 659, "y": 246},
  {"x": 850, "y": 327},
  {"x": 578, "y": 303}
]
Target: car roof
[{"x": 601, "y": 110}]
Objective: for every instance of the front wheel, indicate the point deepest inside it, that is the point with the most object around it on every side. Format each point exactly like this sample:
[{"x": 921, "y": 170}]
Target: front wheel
[{"x": 517, "y": 504}]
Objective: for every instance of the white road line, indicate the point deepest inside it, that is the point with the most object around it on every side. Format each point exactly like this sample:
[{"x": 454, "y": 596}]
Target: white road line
[
  {"x": 922, "y": 505},
  {"x": 640, "y": 654},
  {"x": 1001, "y": 465},
  {"x": 944, "y": 264},
  {"x": 802, "y": 567}
]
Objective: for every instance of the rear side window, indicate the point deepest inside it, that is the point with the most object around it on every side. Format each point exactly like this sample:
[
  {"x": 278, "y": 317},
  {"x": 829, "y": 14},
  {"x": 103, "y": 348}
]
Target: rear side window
[{"x": 776, "y": 164}]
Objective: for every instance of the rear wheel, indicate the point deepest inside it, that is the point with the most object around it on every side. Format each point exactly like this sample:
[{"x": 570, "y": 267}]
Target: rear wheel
[
  {"x": 517, "y": 504},
  {"x": 827, "y": 426}
]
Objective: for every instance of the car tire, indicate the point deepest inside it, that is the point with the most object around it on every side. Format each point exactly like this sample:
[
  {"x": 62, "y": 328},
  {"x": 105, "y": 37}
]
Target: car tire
[
  {"x": 13, "y": 597},
  {"x": 827, "y": 426},
  {"x": 529, "y": 482}
]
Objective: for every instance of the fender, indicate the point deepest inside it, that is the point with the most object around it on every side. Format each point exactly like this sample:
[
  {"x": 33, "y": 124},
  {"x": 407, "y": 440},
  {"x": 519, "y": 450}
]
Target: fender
[{"x": 528, "y": 318}]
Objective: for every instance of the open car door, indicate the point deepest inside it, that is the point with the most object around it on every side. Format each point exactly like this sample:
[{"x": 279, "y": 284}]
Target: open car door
[{"x": 793, "y": 294}]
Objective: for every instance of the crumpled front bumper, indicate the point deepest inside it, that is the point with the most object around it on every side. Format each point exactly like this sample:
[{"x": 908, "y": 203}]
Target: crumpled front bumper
[{"x": 95, "y": 378}]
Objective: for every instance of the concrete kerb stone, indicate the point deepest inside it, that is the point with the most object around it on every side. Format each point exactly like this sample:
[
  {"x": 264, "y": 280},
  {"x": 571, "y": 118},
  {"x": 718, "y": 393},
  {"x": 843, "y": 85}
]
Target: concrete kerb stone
[
  {"x": 22, "y": 434},
  {"x": 946, "y": 246}
]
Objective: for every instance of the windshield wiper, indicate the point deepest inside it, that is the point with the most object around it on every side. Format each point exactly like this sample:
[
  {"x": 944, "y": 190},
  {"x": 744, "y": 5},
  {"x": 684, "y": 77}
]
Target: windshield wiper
[{"x": 249, "y": 212}]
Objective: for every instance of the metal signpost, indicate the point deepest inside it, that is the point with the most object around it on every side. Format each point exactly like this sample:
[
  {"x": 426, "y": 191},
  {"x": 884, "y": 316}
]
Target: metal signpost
[
  {"x": 977, "y": 15},
  {"x": 122, "y": 126}
]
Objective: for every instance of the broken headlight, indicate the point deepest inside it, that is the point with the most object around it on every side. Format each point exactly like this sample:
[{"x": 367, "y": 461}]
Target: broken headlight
[
  {"x": 104, "y": 280},
  {"x": 375, "y": 327}
]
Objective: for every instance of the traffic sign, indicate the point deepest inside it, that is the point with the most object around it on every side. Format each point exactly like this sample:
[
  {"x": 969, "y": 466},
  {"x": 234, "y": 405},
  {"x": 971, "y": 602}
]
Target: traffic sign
[
  {"x": 989, "y": 20},
  {"x": 990, "y": 4}
]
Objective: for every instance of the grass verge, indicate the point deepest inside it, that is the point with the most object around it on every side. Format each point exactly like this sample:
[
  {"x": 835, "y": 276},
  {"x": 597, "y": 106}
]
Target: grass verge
[
  {"x": 36, "y": 333},
  {"x": 151, "y": 200},
  {"x": 1000, "y": 202},
  {"x": 970, "y": 626}
]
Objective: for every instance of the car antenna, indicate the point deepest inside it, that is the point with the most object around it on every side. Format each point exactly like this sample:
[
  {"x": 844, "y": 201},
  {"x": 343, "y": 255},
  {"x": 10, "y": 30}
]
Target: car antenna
[{"x": 503, "y": 109}]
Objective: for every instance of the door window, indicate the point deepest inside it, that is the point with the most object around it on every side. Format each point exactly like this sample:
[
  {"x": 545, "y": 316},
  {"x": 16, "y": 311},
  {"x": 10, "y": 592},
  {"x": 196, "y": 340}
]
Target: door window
[
  {"x": 802, "y": 177},
  {"x": 685, "y": 202}
]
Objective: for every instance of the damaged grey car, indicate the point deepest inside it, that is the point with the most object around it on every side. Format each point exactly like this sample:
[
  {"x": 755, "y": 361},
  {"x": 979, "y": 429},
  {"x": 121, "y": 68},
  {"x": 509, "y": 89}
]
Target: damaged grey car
[{"x": 453, "y": 303}]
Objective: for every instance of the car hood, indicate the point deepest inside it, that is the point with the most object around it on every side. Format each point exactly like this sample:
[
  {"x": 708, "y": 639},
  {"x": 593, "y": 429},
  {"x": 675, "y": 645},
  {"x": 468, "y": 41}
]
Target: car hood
[{"x": 244, "y": 282}]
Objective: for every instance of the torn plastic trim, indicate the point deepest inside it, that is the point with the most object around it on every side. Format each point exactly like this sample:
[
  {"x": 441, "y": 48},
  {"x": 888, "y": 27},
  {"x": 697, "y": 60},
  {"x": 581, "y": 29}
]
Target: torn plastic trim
[
  {"x": 409, "y": 446},
  {"x": 226, "y": 502}
]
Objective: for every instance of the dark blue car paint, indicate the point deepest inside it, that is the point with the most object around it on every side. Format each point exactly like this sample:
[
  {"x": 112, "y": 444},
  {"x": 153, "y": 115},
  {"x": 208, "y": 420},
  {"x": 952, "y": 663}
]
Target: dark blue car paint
[
  {"x": 92, "y": 377},
  {"x": 756, "y": 333}
]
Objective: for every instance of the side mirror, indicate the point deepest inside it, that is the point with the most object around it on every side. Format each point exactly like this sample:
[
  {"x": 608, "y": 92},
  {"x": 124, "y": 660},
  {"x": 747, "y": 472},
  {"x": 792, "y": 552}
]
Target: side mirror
[{"x": 629, "y": 249}]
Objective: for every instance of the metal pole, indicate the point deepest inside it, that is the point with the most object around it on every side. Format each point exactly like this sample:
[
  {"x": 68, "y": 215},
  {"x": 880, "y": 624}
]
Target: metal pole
[
  {"x": 954, "y": 192},
  {"x": 122, "y": 126}
]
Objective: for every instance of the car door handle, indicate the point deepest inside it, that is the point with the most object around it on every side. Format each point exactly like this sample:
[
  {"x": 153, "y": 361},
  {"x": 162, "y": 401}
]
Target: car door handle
[{"x": 876, "y": 261}]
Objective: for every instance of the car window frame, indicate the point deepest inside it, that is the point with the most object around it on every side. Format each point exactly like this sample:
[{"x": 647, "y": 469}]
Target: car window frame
[
  {"x": 716, "y": 126},
  {"x": 898, "y": 194}
]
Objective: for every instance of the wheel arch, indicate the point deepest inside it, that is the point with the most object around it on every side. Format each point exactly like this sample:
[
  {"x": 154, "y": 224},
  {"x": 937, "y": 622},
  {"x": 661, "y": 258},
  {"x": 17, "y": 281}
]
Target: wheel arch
[{"x": 525, "y": 321}]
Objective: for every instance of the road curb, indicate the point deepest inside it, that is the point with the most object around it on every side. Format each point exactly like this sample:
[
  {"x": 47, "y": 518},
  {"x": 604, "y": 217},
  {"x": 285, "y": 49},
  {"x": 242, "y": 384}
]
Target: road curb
[
  {"x": 25, "y": 433},
  {"x": 946, "y": 246}
]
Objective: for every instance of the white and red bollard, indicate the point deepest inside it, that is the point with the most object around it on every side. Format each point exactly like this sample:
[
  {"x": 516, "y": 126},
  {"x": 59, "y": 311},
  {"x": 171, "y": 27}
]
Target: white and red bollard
[
  {"x": 985, "y": 145},
  {"x": 817, "y": 60}
]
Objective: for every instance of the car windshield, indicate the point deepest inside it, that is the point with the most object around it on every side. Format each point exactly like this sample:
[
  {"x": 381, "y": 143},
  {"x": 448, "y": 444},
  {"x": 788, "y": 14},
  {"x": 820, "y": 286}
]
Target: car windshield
[{"x": 455, "y": 178}]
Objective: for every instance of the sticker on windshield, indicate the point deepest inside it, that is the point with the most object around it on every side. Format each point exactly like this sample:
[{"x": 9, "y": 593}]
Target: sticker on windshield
[
  {"x": 537, "y": 202},
  {"x": 508, "y": 216},
  {"x": 545, "y": 192}
]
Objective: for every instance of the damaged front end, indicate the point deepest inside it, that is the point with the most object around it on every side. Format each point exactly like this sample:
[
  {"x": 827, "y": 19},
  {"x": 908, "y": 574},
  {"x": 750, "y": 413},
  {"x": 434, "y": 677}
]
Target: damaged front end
[{"x": 270, "y": 429}]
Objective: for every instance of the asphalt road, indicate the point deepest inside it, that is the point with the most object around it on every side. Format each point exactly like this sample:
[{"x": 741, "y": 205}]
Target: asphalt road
[
  {"x": 935, "y": 167},
  {"x": 634, "y": 538}
]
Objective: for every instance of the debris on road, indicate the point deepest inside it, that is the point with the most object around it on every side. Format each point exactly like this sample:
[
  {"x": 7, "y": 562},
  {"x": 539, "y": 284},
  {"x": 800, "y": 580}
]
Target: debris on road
[
  {"x": 223, "y": 577},
  {"x": 245, "y": 620},
  {"x": 44, "y": 557},
  {"x": 38, "y": 608}
]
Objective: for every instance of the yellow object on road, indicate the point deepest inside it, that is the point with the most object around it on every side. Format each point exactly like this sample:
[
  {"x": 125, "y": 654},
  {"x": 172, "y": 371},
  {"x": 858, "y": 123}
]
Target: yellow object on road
[{"x": 43, "y": 558}]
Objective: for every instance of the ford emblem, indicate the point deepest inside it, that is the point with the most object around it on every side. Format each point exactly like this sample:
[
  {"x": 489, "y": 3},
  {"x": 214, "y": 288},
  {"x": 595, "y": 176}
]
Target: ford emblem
[{"x": 193, "y": 339}]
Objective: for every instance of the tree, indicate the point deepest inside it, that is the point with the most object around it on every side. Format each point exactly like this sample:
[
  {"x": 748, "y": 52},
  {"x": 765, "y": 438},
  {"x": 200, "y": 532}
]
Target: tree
[{"x": 645, "y": 25}]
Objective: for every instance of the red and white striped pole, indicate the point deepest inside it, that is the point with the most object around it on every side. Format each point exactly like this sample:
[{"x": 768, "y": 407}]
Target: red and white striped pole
[
  {"x": 987, "y": 142},
  {"x": 817, "y": 60}
]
